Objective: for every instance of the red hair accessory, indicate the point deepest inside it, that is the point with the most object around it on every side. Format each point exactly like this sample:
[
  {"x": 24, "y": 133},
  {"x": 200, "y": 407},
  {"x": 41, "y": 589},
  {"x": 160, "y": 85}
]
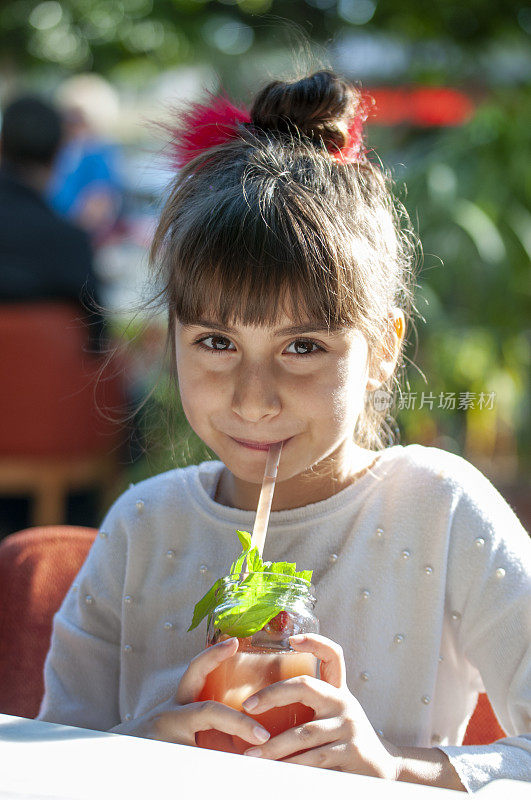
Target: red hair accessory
[
  {"x": 204, "y": 126},
  {"x": 352, "y": 150}
]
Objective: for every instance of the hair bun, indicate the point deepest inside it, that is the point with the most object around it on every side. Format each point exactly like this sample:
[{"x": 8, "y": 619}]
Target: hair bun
[{"x": 320, "y": 106}]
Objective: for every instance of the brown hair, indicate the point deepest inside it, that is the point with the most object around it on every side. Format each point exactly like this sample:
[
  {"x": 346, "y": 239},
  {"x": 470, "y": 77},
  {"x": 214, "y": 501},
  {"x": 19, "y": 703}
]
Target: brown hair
[{"x": 271, "y": 214}]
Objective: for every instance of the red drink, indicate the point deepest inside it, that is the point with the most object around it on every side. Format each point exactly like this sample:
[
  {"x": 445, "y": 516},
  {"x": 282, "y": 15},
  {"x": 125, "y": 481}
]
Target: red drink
[
  {"x": 264, "y": 656},
  {"x": 250, "y": 669}
]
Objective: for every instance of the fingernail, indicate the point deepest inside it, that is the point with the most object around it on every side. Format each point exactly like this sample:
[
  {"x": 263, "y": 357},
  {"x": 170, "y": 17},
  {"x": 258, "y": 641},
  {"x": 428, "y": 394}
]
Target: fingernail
[
  {"x": 261, "y": 734},
  {"x": 250, "y": 703},
  {"x": 297, "y": 638},
  {"x": 253, "y": 751},
  {"x": 227, "y": 642}
]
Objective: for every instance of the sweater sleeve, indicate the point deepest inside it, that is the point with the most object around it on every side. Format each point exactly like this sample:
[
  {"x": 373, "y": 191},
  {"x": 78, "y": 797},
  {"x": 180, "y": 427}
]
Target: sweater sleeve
[
  {"x": 489, "y": 586},
  {"x": 82, "y": 668}
]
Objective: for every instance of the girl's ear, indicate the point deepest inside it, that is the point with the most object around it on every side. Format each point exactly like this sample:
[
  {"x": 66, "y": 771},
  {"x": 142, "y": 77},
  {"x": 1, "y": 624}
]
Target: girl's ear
[{"x": 386, "y": 357}]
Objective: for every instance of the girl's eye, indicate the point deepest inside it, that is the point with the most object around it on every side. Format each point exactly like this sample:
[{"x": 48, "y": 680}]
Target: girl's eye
[
  {"x": 303, "y": 347},
  {"x": 220, "y": 344}
]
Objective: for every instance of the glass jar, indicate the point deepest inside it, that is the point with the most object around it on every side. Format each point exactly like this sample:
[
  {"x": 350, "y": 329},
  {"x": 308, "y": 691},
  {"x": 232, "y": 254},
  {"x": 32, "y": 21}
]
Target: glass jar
[{"x": 264, "y": 655}]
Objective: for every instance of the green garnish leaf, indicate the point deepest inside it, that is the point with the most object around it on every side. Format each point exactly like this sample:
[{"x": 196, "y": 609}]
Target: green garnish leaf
[
  {"x": 237, "y": 566},
  {"x": 246, "y": 619},
  {"x": 254, "y": 562},
  {"x": 256, "y": 602},
  {"x": 245, "y": 539},
  {"x": 206, "y": 605},
  {"x": 282, "y": 568},
  {"x": 305, "y": 574}
]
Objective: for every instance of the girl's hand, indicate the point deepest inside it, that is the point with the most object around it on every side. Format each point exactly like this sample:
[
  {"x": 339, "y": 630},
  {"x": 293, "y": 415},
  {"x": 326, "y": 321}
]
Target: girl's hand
[
  {"x": 340, "y": 736},
  {"x": 180, "y": 718}
]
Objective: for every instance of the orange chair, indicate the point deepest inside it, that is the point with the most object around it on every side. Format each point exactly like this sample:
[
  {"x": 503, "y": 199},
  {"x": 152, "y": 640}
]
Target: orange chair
[
  {"x": 53, "y": 439},
  {"x": 483, "y": 727},
  {"x": 37, "y": 567}
]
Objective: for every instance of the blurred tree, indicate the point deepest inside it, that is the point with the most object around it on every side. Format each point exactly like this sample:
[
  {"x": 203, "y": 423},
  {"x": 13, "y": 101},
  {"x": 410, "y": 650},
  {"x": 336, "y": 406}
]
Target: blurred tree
[{"x": 99, "y": 35}]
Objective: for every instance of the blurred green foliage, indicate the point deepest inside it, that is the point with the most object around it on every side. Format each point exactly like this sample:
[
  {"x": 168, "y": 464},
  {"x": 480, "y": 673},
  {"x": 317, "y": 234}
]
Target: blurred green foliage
[
  {"x": 152, "y": 34},
  {"x": 469, "y": 189}
]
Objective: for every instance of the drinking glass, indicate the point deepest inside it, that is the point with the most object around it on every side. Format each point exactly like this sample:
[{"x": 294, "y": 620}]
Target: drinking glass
[{"x": 262, "y": 658}]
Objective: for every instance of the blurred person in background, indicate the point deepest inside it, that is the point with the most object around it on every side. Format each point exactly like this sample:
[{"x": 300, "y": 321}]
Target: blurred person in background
[
  {"x": 42, "y": 256},
  {"x": 86, "y": 184}
]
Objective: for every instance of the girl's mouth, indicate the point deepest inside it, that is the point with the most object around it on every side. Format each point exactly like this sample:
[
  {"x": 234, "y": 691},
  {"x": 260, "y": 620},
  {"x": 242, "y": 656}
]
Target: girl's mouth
[{"x": 258, "y": 445}]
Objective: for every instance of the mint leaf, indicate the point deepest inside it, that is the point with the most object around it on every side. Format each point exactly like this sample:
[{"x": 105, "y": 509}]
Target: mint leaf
[
  {"x": 245, "y": 539},
  {"x": 244, "y": 620},
  {"x": 282, "y": 568},
  {"x": 285, "y": 568},
  {"x": 258, "y": 605},
  {"x": 237, "y": 566},
  {"x": 255, "y": 601},
  {"x": 206, "y": 605},
  {"x": 254, "y": 562}
]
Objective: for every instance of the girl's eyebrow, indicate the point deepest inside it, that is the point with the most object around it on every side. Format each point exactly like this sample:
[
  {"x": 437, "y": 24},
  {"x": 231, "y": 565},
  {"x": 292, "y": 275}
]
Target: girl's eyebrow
[{"x": 292, "y": 330}]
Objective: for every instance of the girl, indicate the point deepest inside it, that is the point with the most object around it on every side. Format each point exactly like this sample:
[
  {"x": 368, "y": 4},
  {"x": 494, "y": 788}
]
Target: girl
[{"x": 287, "y": 281}]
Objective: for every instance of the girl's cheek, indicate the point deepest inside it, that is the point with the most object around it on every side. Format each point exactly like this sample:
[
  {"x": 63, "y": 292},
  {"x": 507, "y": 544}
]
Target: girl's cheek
[{"x": 201, "y": 396}]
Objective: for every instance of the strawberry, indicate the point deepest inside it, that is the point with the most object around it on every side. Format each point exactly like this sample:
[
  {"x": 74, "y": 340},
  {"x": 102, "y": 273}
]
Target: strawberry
[{"x": 281, "y": 623}]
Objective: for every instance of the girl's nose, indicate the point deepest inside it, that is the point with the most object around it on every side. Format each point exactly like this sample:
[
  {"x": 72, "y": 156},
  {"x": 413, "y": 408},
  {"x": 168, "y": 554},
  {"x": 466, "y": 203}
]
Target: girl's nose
[{"x": 255, "y": 394}]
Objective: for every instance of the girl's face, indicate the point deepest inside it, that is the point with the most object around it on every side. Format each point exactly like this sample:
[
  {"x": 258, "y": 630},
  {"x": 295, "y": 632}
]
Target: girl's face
[{"x": 302, "y": 386}]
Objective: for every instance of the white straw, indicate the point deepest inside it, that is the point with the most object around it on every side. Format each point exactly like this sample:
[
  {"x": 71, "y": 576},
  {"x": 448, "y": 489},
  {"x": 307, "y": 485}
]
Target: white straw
[{"x": 266, "y": 497}]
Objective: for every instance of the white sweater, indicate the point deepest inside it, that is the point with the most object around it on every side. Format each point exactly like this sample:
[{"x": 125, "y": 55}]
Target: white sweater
[{"x": 422, "y": 573}]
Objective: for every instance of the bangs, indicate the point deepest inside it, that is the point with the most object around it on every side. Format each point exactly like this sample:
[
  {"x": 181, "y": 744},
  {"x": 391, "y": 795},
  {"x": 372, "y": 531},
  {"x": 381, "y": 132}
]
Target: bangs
[{"x": 250, "y": 263}]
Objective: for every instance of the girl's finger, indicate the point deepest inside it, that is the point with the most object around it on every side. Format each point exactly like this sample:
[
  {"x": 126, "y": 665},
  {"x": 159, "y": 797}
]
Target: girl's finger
[
  {"x": 332, "y": 669},
  {"x": 309, "y": 691},
  {"x": 330, "y": 756},
  {"x": 303, "y": 737},
  {"x": 181, "y": 725},
  {"x": 199, "y": 667}
]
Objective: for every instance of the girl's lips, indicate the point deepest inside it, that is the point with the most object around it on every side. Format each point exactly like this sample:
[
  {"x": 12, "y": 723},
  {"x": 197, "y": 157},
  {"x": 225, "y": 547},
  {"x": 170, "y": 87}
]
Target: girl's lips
[{"x": 255, "y": 445}]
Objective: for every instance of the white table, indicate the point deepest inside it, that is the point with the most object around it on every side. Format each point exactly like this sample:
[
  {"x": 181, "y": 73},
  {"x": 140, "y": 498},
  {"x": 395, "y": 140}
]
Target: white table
[{"x": 45, "y": 761}]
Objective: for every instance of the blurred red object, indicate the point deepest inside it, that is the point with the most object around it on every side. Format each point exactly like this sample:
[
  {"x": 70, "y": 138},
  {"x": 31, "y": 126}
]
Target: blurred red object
[
  {"x": 426, "y": 106},
  {"x": 36, "y": 569},
  {"x": 53, "y": 436}
]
